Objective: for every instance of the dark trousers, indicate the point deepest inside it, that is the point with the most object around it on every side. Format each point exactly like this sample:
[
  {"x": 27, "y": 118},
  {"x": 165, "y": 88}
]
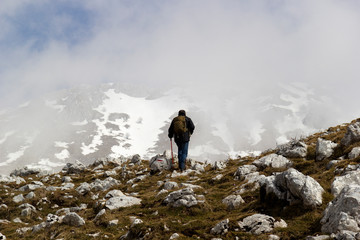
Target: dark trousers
[{"x": 182, "y": 154}]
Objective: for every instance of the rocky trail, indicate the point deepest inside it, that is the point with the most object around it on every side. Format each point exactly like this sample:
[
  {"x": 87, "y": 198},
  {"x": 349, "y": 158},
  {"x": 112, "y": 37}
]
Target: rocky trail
[{"x": 306, "y": 189}]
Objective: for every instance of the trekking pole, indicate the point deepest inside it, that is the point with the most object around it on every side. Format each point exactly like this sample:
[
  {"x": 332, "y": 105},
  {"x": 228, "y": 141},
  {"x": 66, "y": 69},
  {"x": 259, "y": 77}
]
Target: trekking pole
[{"x": 172, "y": 155}]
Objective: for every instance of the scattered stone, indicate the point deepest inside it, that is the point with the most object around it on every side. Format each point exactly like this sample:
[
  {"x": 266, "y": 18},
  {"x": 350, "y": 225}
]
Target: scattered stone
[
  {"x": 4, "y": 221},
  {"x": 103, "y": 185},
  {"x": 342, "y": 213},
  {"x": 244, "y": 170},
  {"x": 76, "y": 167},
  {"x": 22, "y": 231},
  {"x": 162, "y": 191},
  {"x": 10, "y": 179},
  {"x": 198, "y": 167},
  {"x": 32, "y": 186},
  {"x": 352, "y": 177},
  {"x": 17, "y": 220},
  {"x": 136, "y": 159},
  {"x": 67, "y": 186},
  {"x": 160, "y": 162},
  {"x": 233, "y": 201},
  {"x": 28, "y": 209},
  {"x": 101, "y": 213},
  {"x": 73, "y": 219},
  {"x": 221, "y": 228},
  {"x": 318, "y": 237},
  {"x": 219, "y": 165},
  {"x": 257, "y": 224},
  {"x": 26, "y": 171},
  {"x": 273, "y": 160},
  {"x": 122, "y": 201},
  {"x": 30, "y": 195},
  {"x": 355, "y": 152},
  {"x": 110, "y": 173},
  {"x": 174, "y": 236},
  {"x": 189, "y": 185},
  {"x": 352, "y": 134},
  {"x": 218, "y": 177},
  {"x": 66, "y": 179},
  {"x": 293, "y": 186},
  {"x": 274, "y": 237},
  {"x": 280, "y": 224},
  {"x": 84, "y": 188},
  {"x": 114, "y": 222},
  {"x": 2, "y": 237},
  {"x": 168, "y": 185},
  {"x": 324, "y": 149},
  {"x": 293, "y": 149},
  {"x": 184, "y": 197},
  {"x": 19, "y": 198}
]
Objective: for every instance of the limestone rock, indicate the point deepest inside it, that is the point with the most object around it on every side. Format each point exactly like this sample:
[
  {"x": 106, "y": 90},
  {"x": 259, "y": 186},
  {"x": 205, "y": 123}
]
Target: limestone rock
[
  {"x": 18, "y": 198},
  {"x": 174, "y": 236},
  {"x": 2, "y": 237},
  {"x": 114, "y": 193},
  {"x": 293, "y": 149},
  {"x": 136, "y": 159},
  {"x": 221, "y": 228},
  {"x": 9, "y": 179},
  {"x": 83, "y": 188},
  {"x": 170, "y": 185},
  {"x": 244, "y": 170},
  {"x": 184, "y": 197},
  {"x": 272, "y": 160},
  {"x": 352, "y": 177},
  {"x": 292, "y": 185},
  {"x": 103, "y": 185},
  {"x": 257, "y": 224},
  {"x": 76, "y": 167},
  {"x": 218, "y": 165},
  {"x": 320, "y": 237},
  {"x": 355, "y": 152},
  {"x": 352, "y": 134},
  {"x": 73, "y": 219},
  {"x": 233, "y": 201},
  {"x": 198, "y": 167},
  {"x": 26, "y": 171},
  {"x": 160, "y": 163},
  {"x": 324, "y": 149},
  {"x": 122, "y": 201},
  {"x": 343, "y": 212}
]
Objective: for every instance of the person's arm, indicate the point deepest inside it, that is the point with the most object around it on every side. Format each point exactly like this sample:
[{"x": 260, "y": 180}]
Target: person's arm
[
  {"x": 190, "y": 125},
  {"x": 171, "y": 130}
]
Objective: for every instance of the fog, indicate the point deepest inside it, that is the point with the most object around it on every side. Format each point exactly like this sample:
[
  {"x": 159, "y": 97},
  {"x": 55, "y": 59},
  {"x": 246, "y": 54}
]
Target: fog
[{"x": 231, "y": 56}]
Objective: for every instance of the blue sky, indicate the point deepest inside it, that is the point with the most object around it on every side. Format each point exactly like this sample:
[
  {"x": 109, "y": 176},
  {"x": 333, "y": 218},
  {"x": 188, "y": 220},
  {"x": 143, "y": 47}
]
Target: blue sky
[{"x": 47, "y": 45}]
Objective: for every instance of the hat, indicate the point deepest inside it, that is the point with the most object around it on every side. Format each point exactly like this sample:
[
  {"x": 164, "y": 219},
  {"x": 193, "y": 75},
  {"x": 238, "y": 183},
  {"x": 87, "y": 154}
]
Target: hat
[{"x": 182, "y": 113}]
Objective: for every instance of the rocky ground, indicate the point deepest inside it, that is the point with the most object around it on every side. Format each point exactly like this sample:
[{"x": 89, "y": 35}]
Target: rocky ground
[{"x": 306, "y": 189}]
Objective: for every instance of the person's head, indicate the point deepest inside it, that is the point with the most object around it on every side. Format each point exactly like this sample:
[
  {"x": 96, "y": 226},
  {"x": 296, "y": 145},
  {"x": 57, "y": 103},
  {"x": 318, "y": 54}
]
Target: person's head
[{"x": 182, "y": 113}]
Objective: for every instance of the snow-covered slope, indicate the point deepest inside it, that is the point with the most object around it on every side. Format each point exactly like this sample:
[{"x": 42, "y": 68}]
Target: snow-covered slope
[{"x": 91, "y": 122}]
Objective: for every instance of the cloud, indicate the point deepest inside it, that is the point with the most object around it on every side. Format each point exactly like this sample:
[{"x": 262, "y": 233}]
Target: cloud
[{"x": 213, "y": 49}]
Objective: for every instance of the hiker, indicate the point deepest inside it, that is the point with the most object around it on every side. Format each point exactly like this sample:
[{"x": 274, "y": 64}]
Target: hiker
[{"x": 181, "y": 129}]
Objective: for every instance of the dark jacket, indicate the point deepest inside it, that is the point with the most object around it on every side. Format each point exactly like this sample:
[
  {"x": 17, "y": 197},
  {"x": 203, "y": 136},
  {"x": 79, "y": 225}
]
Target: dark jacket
[{"x": 186, "y": 137}]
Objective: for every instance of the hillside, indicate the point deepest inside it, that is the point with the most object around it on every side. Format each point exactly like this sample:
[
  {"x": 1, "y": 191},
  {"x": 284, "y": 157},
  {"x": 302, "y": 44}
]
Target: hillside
[{"x": 305, "y": 188}]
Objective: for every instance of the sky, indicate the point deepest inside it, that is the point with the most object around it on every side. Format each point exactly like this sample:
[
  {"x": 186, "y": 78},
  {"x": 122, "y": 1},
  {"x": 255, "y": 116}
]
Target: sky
[{"x": 211, "y": 48}]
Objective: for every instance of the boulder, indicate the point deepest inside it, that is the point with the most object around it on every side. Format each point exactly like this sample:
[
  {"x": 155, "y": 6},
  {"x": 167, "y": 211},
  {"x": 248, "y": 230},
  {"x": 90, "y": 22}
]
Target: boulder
[
  {"x": 351, "y": 177},
  {"x": 73, "y": 219},
  {"x": 103, "y": 185},
  {"x": 352, "y": 134},
  {"x": 32, "y": 186},
  {"x": 114, "y": 193},
  {"x": 198, "y": 167},
  {"x": 343, "y": 212},
  {"x": 26, "y": 171},
  {"x": 319, "y": 237},
  {"x": 233, "y": 201},
  {"x": 18, "y": 198},
  {"x": 293, "y": 149},
  {"x": 221, "y": 228},
  {"x": 272, "y": 160},
  {"x": 170, "y": 185},
  {"x": 2, "y": 236},
  {"x": 75, "y": 168},
  {"x": 159, "y": 163},
  {"x": 219, "y": 165},
  {"x": 184, "y": 197},
  {"x": 293, "y": 186},
  {"x": 9, "y": 179},
  {"x": 121, "y": 202},
  {"x": 84, "y": 188},
  {"x": 136, "y": 159},
  {"x": 244, "y": 170},
  {"x": 257, "y": 224},
  {"x": 324, "y": 149},
  {"x": 355, "y": 152}
]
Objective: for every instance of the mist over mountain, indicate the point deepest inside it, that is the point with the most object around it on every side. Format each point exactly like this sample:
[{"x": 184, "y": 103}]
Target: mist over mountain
[{"x": 91, "y": 122}]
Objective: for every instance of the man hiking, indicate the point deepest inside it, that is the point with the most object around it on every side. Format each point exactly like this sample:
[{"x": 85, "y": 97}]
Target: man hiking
[{"x": 181, "y": 129}]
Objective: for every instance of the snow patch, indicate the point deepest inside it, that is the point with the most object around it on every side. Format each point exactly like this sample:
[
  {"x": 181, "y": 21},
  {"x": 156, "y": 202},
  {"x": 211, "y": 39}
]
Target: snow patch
[
  {"x": 54, "y": 105},
  {"x": 64, "y": 154},
  {"x": 8, "y": 134},
  {"x": 61, "y": 144},
  {"x": 83, "y": 123}
]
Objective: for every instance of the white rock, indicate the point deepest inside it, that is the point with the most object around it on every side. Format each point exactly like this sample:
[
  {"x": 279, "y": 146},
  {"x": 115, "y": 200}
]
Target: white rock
[
  {"x": 198, "y": 167},
  {"x": 352, "y": 134},
  {"x": 184, "y": 197},
  {"x": 73, "y": 219},
  {"x": 274, "y": 237},
  {"x": 113, "y": 222},
  {"x": 343, "y": 212},
  {"x": 102, "y": 212},
  {"x": 9, "y": 179},
  {"x": 83, "y": 188},
  {"x": 18, "y": 198},
  {"x": 103, "y": 185},
  {"x": 120, "y": 202},
  {"x": 321, "y": 237},
  {"x": 257, "y": 224},
  {"x": 355, "y": 152},
  {"x": 2, "y": 237},
  {"x": 30, "y": 195},
  {"x": 22, "y": 231},
  {"x": 67, "y": 186},
  {"x": 280, "y": 224},
  {"x": 233, "y": 201},
  {"x": 76, "y": 167},
  {"x": 272, "y": 160},
  {"x": 293, "y": 149},
  {"x": 221, "y": 228},
  {"x": 324, "y": 149},
  {"x": 244, "y": 170},
  {"x": 218, "y": 165},
  {"x": 174, "y": 236},
  {"x": 218, "y": 177},
  {"x": 352, "y": 177},
  {"x": 168, "y": 185},
  {"x": 66, "y": 179}
]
